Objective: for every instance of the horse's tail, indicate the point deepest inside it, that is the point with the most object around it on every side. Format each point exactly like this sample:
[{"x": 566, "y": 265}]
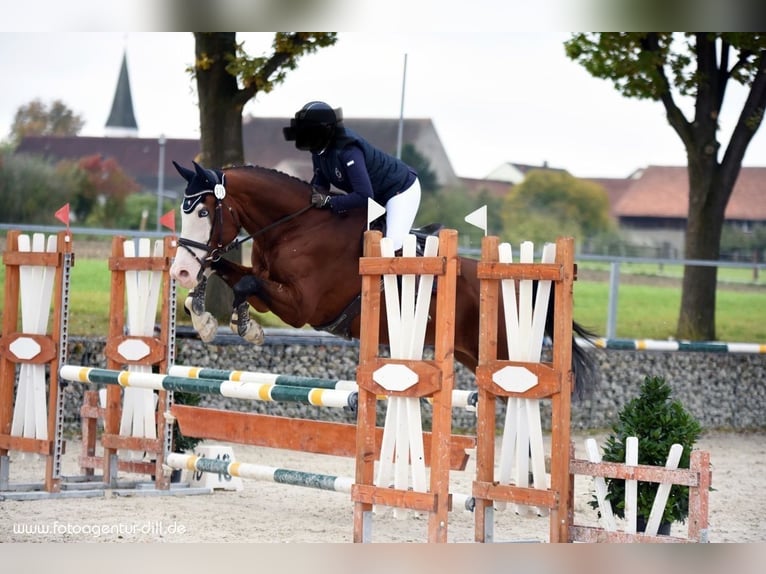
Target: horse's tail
[{"x": 584, "y": 364}]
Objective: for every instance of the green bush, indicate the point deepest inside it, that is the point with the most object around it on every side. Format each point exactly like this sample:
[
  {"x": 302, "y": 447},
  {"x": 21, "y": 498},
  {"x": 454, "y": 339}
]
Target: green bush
[{"x": 658, "y": 422}]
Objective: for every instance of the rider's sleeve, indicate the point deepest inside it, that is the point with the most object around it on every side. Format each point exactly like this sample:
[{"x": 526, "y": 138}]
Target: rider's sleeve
[{"x": 358, "y": 182}]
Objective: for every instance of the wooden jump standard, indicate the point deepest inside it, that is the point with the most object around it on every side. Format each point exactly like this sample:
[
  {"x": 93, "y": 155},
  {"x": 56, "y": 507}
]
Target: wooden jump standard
[{"x": 50, "y": 349}]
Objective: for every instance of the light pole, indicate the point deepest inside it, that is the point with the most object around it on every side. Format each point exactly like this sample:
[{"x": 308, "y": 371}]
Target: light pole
[{"x": 160, "y": 180}]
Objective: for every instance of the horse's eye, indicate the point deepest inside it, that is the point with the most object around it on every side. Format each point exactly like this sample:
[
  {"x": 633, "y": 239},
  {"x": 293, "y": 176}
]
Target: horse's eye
[{"x": 202, "y": 212}]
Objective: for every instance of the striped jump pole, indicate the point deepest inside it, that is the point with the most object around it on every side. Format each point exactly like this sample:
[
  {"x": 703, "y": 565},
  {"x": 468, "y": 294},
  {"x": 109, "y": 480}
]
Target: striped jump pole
[
  {"x": 290, "y": 477},
  {"x": 460, "y": 398},
  {"x": 230, "y": 389}
]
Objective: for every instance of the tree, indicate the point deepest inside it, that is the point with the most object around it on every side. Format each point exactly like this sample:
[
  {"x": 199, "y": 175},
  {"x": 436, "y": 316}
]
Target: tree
[
  {"x": 664, "y": 67},
  {"x": 37, "y": 119},
  {"x": 417, "y": 161},
  {"x": 553, "y": 202},
  {"x": 227, "y": 78},
  {"x": 101, "y": 189},
  {"x": 31, "y": 189}
]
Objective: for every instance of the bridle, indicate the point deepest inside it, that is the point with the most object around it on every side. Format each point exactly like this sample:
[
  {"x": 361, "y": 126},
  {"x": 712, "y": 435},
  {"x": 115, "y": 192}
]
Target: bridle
[{"x": 214, "y": 254}]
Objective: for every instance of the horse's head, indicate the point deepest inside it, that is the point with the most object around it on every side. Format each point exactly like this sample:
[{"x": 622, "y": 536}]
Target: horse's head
[{"x": 206, "y": 229}]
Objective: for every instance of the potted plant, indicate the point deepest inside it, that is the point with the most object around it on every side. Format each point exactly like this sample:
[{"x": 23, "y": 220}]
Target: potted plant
[{"x": 658, "y": 422}]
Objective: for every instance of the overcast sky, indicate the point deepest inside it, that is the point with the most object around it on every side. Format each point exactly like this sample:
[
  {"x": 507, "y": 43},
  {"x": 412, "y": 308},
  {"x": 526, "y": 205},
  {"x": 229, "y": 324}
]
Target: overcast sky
[{"x": 494, "y": 97}]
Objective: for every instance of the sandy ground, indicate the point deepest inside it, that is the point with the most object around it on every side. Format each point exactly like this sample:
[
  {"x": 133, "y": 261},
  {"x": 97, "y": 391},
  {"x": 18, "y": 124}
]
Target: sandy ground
[{"x": 268, "y": 512}]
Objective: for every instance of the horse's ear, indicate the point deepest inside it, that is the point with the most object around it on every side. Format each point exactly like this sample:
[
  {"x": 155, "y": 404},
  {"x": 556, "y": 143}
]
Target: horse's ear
[
  {"x": 187, "y": 174},
  {"x": 206, "y": 174}
]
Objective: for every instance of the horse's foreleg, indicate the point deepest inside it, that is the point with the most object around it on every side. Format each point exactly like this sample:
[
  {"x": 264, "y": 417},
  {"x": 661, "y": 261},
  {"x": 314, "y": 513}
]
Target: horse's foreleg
[
  {"x": 203, "y": 322},
  {"x": 241, "y": 323}
]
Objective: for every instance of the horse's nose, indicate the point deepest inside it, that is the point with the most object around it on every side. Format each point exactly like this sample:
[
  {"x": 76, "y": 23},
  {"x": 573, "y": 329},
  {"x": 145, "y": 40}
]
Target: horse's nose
[{"x": 183, "y": 276}]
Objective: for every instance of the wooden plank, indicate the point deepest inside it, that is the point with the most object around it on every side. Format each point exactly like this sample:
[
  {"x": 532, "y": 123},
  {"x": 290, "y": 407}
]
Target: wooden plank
[
  {"x": 642, "y": 472},
  {"x": 516, "y": 494},
  {"x": 320, "y": 437},
  {"x": 520, "y": 271},
  {"x": 402, "y": 266},
  {"x": 421, "y": 501},
  {"x": 590, "y": 534}
]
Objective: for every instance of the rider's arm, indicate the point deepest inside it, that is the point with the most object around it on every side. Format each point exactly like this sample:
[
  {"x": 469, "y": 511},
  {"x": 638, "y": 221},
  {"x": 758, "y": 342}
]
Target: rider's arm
[{"x": 359, "y": 186}]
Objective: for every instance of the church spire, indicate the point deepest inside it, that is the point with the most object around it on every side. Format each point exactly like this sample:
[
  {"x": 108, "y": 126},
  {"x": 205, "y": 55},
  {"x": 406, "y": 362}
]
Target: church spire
[{"x": 122, "y": 121}]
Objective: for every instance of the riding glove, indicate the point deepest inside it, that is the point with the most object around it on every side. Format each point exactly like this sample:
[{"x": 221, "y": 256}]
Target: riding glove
[{"x": 320, "y": 200}]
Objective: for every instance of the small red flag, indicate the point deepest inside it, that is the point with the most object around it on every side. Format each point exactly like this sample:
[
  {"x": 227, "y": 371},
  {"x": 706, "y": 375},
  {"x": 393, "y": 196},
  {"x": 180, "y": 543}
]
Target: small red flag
[
  {"x": 169, "y": 220},
  {"x": 63, "y": 214}
]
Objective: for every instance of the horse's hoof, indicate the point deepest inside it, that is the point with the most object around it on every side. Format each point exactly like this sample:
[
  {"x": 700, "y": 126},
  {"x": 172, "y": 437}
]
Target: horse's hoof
[
  {"x": 250, "y": 331},
  {"x": 206, "y": 326},
  {"x": 254, "y": 334}
]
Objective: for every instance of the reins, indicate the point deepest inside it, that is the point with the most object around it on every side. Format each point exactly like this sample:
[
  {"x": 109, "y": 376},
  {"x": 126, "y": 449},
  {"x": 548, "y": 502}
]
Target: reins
[{"x": 215, "y": 253}]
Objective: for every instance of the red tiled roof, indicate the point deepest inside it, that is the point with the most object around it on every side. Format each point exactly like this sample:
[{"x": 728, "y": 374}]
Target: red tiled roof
[
  {"x": 615, "y": 189},
  {"x": 663, "y": 191}
]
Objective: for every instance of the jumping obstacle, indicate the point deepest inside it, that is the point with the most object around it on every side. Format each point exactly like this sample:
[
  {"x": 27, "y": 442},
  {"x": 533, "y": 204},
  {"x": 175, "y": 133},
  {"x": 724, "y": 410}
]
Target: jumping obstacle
[
  {"x": 697, "y": 477},
  {"x": 461, "y": 398},
  {"x": 233, "y": 389},
  {"x": 36, "y": 274},
  {"x": 405, "y": 378},
  {"x": 522, "y": 381},
  {"x": 199, "y": 464},
  {"x": 133, "y": 423}
]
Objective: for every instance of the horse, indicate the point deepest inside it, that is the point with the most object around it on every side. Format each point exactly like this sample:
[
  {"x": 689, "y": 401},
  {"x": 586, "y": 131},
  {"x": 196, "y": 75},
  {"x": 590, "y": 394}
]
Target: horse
[{"x": 304, "y": 264}]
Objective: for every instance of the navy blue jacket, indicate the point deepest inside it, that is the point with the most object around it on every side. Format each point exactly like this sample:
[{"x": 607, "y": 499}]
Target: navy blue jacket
[{"x": 353, "y": 165}]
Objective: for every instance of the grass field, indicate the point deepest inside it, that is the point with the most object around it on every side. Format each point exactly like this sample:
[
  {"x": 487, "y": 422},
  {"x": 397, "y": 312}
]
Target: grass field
[{"x": 644, "y": 311}]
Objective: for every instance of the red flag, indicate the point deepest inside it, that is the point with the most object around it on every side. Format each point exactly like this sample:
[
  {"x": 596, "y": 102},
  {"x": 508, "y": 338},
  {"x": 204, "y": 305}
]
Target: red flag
[
  {"x": 169, "y": 220},
  {"x": 63, "y": 214}
]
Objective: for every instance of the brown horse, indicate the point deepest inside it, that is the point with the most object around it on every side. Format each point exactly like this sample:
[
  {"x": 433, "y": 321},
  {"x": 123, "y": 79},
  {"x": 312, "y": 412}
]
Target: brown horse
[{"x": 305, "y": 262}]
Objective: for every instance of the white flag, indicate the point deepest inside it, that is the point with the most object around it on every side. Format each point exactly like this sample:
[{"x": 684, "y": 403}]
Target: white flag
[
  {"x": 374, "y": 210},
  {"x": 478, "y": 218}
]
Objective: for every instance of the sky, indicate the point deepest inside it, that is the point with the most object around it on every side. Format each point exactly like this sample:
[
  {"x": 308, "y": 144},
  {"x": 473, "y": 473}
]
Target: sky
[{"x": 493, "y": 96}]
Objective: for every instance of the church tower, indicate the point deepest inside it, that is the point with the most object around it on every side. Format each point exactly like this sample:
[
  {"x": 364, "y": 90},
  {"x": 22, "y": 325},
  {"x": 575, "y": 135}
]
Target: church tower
[{"x": 122, "y": 121}]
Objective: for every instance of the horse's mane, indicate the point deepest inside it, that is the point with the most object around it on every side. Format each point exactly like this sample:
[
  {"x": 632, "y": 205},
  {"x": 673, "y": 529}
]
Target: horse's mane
[{"x": 269, "y": 170}]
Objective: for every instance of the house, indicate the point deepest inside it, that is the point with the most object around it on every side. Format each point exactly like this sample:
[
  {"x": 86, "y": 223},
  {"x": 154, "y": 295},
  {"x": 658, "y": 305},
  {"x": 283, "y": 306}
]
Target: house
[{"x": 653, "y": 209}]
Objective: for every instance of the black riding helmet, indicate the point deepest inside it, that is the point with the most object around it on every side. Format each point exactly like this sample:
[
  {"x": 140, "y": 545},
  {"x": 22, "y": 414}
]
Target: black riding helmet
[{"x": 314, "y": 126}]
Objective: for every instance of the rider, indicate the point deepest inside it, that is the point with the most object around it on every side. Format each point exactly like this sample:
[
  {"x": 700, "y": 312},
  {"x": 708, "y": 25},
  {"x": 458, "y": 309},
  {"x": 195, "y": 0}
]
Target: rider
[{"x": 350, "y": 163}]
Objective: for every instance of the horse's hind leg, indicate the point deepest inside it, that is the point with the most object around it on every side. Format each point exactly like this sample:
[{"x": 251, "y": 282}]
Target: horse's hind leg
[
  {"x": 202, "y": 321},
  {"x": 241, "y": 323}
]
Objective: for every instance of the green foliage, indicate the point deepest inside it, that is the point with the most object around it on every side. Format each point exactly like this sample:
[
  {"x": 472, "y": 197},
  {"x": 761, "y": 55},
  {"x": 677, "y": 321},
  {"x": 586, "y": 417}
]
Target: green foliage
[
  {"x": 140, "y": 211},
  {"x": 31, "y": 190},
  {"x": 417, "y": 161},
  {"x": 548, "y": 204},
  {"x": 658, "y": 422},
  {"x": 183, "y": 443},
  {"x": 645, "y": 64}
]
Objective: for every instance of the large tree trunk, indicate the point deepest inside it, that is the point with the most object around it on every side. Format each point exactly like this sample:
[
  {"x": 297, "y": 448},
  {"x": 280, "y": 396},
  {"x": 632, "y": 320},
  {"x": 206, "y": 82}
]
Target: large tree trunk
[
  {"x": 220, "y": 101},
  {"x": 703, "y": 238},
  {"x": 220, "y": 112}
]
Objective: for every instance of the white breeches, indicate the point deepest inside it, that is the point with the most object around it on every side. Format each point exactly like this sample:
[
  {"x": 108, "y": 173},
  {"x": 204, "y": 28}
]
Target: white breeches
[{"x": 400, "y": 214}]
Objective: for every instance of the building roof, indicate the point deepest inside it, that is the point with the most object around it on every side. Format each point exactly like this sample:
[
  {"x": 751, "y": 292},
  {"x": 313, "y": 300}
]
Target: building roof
[
  {"x": 493, "y": 187},
  {"x": 139, "y": 157},
  {"x": 516, "y": 172},
  {"x": 121, "y": 119},
  {"x": 663, "y": 191},
  {"x": 615, "y": 188}
]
